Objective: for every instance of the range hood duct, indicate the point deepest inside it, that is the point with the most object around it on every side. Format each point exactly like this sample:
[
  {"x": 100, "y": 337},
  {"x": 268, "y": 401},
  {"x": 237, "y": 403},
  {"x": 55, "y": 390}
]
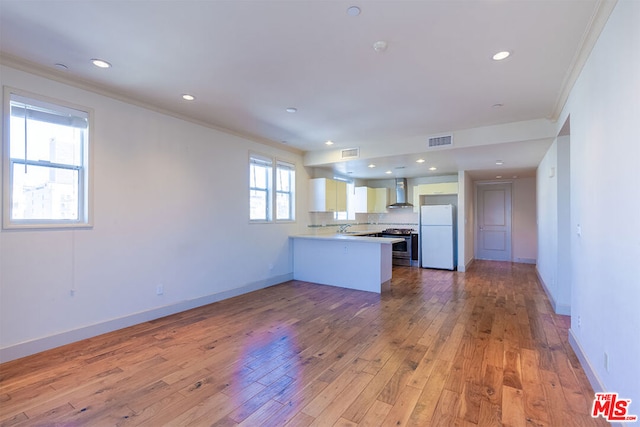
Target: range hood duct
[{"x": 401, "y": 195}]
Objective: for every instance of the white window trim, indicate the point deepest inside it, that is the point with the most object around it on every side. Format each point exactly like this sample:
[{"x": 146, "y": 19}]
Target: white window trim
[
  {"x": 85, "y": 219},
  {"x": 292, "y": 165},
  {"x": 275, "y": 161},
  {"x": 266, "y": 159}
]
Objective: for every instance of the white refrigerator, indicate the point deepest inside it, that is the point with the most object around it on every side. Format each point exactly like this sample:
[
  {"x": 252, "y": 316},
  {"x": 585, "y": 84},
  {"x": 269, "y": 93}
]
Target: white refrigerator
[{"x": 437, "y": 236}]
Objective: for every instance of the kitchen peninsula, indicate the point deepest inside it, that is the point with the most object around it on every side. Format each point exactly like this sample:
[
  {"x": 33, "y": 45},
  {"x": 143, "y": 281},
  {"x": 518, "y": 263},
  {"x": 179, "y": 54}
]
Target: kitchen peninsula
[{"x": 348, "y": 261}]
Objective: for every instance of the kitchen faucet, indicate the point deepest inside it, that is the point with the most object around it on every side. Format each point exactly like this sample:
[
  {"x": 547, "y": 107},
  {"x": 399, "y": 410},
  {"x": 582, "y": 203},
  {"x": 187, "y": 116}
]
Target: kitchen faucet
[{"x": 343, "y": 228}]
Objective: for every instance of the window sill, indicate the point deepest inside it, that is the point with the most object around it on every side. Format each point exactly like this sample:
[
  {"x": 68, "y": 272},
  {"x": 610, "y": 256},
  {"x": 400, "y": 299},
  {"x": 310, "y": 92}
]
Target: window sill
[{"x": 46, "y": 226}]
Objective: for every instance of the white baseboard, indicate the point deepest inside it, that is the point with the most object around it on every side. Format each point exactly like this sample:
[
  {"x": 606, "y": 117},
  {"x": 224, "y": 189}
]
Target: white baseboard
[
  {"x": 597, "y": 385},
  {"x": 557, "y": 308},
  {"x": 462, "y": 268},
  {"x": 592, "y": 376},
  {"x": 41, "y": 344},
  {"x": 526, "y": 260},
  {"x": 469, "y": 263}
]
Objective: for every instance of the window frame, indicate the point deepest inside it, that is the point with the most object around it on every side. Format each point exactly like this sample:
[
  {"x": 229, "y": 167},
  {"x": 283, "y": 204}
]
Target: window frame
[
  {"x": 255, "y": 159},
  {"x": 291, "y": 167},
  {"x": 84, "y": 170},
  {"x": 275, "y": 164},
  {"x": 350, "y": 213}
]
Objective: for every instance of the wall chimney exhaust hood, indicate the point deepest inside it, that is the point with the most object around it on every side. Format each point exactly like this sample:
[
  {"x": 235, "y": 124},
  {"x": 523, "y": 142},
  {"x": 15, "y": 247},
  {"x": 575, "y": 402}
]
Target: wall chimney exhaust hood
[{"x": 401, "y": 195}]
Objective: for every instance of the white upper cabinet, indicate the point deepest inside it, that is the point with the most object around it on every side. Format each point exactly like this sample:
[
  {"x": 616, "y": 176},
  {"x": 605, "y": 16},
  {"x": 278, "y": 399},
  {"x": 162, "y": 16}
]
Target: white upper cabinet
[
  {"x": 371, "y": 200},
  {"x": 327, "y": 195},
  {"x": 434, "y": 189}
]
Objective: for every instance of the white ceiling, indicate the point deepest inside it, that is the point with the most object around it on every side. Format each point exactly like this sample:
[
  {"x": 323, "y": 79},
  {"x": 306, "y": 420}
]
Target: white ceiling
[{"x": 247, "y": 61}]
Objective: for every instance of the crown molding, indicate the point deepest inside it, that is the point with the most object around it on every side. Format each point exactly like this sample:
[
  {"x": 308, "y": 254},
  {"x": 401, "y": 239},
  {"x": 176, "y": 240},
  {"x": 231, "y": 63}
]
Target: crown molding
[{"x": 601, "y": 13}]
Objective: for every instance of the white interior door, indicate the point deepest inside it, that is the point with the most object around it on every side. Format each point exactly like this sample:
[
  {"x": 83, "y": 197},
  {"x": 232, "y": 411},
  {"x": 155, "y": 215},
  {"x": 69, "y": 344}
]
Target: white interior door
[{"x": 493, "y": 233}]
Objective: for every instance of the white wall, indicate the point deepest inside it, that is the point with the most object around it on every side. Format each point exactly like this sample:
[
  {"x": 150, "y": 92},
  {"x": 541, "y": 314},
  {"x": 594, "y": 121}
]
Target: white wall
[
  {"x": 550, "y": 256},
  {"x": 525, "y": 242},
  {"x": 171, "y": 208},
  {"x": 466, "y": 220},
  {"x": 563, "y": 267},
  {"x": 547, "y": 209},
  {"x": 604, "y": 106}
]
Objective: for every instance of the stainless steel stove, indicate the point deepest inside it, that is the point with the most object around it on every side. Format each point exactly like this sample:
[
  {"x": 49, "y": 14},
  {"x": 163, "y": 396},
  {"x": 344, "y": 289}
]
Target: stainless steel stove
[
  {"x": 403, "y": 253},
  {"x": 398, "y": 231}
]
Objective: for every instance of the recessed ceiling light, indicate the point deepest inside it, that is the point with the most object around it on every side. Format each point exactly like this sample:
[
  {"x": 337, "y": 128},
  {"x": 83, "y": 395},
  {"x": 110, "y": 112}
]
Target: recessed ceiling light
[
  {"x": 61, "y": 66},
  {"x": 498, "y": 105},
  {"x": 329, "y": 143},
  {"x": 188, "y": 97},
  {"x": 498, "y": 176},
  {"x": 388, "y": 172},
  {"x": 433, "y": 168},
  {"x": 353, "y": 11},
  {"x": 515, "y": 176},
  {"x": 501, "y": 55},
  {"x": 292, "y": 110},
  {"x": 380, "y": 46},
  {"x": 420, "y": 161},
  {"x": 371, "y": 165},
  {"x": 499, "y": 162},
  {"x": 100, "y": 63}
]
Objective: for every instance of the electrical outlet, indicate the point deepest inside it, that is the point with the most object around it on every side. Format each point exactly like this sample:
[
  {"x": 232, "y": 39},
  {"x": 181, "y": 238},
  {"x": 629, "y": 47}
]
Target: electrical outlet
[
  {"x": 579, "y": 321},
  {"x": 606, "y": 361},
  {"x": 270, "y": 266},
  {"x": 160, "y": 289}
]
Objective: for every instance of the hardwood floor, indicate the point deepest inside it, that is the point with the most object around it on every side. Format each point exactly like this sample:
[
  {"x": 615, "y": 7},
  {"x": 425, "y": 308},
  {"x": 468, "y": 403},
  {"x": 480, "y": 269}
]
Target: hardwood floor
[{"x": 440, "y": 348}]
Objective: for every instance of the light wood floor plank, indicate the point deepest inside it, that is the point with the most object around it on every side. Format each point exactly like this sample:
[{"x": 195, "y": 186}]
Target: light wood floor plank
[{"x": 480, "y": 348}]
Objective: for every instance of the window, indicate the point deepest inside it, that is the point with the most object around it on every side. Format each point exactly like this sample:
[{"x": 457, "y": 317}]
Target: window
[
  {"x": 350, "y": 213},
  {"x": 260, "y": 189},
  {"x": 262, "y": 198},
  {"x": 285, "y": 185},
  {"x": 46, "y": 170}
]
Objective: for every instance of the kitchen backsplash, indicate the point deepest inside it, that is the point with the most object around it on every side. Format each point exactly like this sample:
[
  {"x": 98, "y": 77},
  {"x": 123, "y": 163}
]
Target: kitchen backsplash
[{"x": 322, "y": 222}]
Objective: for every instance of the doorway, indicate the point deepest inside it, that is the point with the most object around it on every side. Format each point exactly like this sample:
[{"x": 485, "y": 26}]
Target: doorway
[{"x": 493, "y": 219}]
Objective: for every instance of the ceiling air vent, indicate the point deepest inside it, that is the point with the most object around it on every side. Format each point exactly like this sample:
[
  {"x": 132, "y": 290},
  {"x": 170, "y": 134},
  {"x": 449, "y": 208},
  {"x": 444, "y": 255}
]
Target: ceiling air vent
[
  {"x": 350, "y": 153},
  {"x": 441, "y": 141}
]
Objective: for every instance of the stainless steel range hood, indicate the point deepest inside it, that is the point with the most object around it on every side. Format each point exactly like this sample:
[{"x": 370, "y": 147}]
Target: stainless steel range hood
[{"x": 401, "y": 195}]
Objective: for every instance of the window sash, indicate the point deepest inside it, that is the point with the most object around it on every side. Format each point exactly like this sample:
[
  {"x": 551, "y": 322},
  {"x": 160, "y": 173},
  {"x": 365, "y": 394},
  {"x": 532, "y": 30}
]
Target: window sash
[
  {"x": 32, "y": 141},
  {"x": 259, "y": 205},
  {"x": 285, "y": 199},
  {"x": 73, "y": 215},
  {"x": 260, "y": 171}
]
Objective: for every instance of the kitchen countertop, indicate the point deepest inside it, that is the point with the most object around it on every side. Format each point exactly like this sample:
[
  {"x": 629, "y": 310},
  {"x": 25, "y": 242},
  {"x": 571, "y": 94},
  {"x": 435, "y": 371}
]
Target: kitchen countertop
[{"x": 355, "y": 237}]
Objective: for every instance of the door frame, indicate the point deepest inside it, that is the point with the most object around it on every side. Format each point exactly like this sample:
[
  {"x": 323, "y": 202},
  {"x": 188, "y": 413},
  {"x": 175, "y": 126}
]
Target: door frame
[{"x": 477, "y": 186}]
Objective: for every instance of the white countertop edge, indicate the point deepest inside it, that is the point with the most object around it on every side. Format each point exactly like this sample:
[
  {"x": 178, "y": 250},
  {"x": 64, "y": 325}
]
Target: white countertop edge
[{"x": 343, "y": 237}]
